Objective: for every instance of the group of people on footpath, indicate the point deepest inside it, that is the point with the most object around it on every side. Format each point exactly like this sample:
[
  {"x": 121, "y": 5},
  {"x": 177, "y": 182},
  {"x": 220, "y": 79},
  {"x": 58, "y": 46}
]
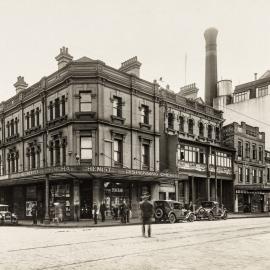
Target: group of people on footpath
[{"x": 122, "y": 211}]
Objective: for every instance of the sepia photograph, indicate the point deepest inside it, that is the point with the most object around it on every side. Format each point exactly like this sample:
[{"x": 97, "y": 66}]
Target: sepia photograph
[{"x": 134, "y": 135}]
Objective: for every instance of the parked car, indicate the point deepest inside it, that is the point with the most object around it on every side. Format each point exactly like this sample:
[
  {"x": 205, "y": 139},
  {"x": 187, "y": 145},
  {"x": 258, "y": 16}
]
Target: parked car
[
  {"x": 172, "y": 211},
  {"x": 211, "y": 210},
  {"x": 6, "y": 217}
]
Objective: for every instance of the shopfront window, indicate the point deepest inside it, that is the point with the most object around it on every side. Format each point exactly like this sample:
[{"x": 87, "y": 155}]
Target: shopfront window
[
  {"x": 115, "y": 194},
  {"x": 60, "y": 200}
]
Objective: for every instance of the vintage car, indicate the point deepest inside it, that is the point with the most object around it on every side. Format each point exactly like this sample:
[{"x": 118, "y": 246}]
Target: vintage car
[
  {"x": 172, "y": 211},
  {"x": 6, "y": 217},
  {"x": 211, "y": 210}
]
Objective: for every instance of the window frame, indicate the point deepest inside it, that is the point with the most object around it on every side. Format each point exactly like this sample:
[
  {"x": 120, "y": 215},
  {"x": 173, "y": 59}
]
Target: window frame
[{"x": 89, "y": 102}]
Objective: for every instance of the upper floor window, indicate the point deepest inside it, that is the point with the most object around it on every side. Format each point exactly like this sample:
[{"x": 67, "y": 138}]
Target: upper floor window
[
  {"x": 117, "y": 106},
  {"x": 191, "y": 154},
  {"x": 12, "y": 127},
  {"x": 254, "y": 175},
  {"x": 63, "y": 101},
  {"x": 240, "y": 97},
  {"x": 85, "y": 102},
  {"x": 27, "y": 120},
  {"x": 181, "y": 123},
  {"x": 170, "y": 121},
  {"x": 260, "y": 176},
  {"x": 260, "y": 153},
  {"x": 190, "y": 126},
  {"x": 247, "y": 148},
  {"x": 145, "y": 155},
  {"x": 268, "y": 175},
  {"x": 201, "y": 129},
  {"x": 254, "y": 151},
  {"x": 57, "y": 108},
  {"x": 16, "y": 125},
  {"x": 217, "y": 133},
  {"x": 210, "y": 131},
  {"x": 240, "y": 149},
  {"x": 51, "y": 110},
  {"x": 57, "y": 152},
  {"x": 263, "y": 91},
  {"x": 144, "y": 114},
  {"x": 32, "y": 116},
  {"x": 240, "y": 174},
  {"x": 247, "y": 175},
  {"x": 8, "y": 130},
  {"x": 33, "y": 157},
  {"x": 86, "y": 148},
  {"x": 118, "y": 151},
  {"x": 37, "y": 116}
]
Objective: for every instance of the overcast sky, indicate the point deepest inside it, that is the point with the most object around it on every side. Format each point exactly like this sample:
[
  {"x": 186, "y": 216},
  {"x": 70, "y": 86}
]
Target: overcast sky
[{"x": 160, "y": 33}]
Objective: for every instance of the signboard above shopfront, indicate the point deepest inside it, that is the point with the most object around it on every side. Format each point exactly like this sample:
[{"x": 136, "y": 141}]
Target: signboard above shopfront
[{"x": 100, "y": 170}]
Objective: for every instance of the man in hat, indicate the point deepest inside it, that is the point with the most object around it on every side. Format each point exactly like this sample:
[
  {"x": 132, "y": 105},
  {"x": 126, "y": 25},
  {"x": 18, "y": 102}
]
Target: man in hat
[{"x": 147, "y": 211}]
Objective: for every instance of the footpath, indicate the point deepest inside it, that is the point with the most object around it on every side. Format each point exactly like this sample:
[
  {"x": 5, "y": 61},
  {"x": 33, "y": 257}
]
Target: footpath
[{"x": 109, "y": 222}]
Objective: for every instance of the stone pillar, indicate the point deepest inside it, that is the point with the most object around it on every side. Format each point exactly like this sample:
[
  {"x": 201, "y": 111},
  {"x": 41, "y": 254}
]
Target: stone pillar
[
  {"x": 213, "y": 190},
  {"x": 193, "y": 192},
  {"x": 98, "y": 191},
  {"x": 236, "y": 203},
  {"x": 47, "y": 217},
  {"x": 186, "y": 190},
  {"x": 176, "y": 190},
  {"x": 76, "y": 199},
  {"x": 154, "y": 191},
  {"x": 208, "y": 189},
  {"x": 221, "y": 201},
  {"x": 61, "y": 154},
  {"x": 135, "y": 199}
]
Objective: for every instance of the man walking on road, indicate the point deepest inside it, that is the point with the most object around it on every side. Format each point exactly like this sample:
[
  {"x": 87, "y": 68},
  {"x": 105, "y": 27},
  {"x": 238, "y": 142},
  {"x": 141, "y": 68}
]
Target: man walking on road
[{"x": 147, "y": 211}]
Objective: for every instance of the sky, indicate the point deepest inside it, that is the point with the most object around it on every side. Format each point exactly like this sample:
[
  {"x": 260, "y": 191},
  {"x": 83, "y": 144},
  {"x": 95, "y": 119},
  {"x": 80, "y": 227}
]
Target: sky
[{"x": 159, "y": 33}]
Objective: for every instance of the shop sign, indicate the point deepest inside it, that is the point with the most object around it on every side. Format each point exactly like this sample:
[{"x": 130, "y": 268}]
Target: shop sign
[
  {"x": 93, "y": 169},
  {"x": 117, "y": 190}
]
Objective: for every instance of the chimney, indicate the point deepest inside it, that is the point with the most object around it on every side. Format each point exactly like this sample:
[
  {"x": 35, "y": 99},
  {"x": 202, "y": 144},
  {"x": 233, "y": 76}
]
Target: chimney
[
  {"x": 20, "y": 84},
  {"x": 131, "y": 66},
  {"x": 210, "y": 36},
  {"x": 63, "y": 58},
  {"x": 255, "y": 76},
  {"x": 189, "y": 91}
]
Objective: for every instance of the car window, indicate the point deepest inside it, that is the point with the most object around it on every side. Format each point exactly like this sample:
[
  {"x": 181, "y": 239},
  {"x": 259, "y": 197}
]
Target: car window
[{"x": 177, "y": 206}]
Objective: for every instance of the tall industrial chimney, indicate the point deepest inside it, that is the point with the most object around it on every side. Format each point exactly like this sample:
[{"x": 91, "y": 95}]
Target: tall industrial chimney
[{"x": 210, "y": 36}]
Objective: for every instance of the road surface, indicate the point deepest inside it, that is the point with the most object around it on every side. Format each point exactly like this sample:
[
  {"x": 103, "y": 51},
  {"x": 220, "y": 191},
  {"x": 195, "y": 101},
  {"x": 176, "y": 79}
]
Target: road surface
[{"x": 231, "y": 244}]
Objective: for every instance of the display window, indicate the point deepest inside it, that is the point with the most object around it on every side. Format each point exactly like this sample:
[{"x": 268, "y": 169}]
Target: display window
[
  {"x": 115, "y": 194},
  {"x": 60, "y": 200}
]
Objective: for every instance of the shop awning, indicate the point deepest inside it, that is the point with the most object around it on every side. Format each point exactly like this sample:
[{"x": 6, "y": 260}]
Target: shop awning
[{"x": 88, "y": 172}]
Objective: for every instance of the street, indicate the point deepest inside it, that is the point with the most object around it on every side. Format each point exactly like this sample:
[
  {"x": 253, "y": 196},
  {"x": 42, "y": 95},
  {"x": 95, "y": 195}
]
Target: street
[{"x": 229, "y": 244}]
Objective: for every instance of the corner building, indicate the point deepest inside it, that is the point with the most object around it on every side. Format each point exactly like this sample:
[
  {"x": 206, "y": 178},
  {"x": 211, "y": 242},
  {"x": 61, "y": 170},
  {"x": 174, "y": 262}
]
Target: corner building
[{"x": 86, "y": 133}]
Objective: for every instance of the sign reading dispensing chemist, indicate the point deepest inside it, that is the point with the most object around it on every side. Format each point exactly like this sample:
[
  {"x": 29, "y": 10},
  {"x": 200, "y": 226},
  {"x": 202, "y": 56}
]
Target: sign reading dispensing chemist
[{"x": 93, "y": 169}]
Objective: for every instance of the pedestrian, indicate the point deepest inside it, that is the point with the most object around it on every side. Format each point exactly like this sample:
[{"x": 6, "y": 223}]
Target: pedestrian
[
  {"x": 123, "y": 211},
  {"x": 34, "y": 214},
  {"x": 40, "y": 213},
  {"x": 147, "y": 211},
  {"x": 95, "y": 212},
  {"x": 102, "y": 210}
]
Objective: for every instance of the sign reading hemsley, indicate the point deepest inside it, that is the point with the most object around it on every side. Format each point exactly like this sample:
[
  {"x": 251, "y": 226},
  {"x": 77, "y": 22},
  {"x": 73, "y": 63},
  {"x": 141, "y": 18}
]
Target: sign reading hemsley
[{"x": 94, "y": 169}]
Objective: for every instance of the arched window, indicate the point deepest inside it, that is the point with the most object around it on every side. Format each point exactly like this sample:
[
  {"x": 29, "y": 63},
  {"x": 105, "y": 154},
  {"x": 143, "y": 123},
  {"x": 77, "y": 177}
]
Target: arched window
[
  {"x": 201, "y": 129},
  {"x": 210, "y": 131},
  {"x": 190, "y": 126}
]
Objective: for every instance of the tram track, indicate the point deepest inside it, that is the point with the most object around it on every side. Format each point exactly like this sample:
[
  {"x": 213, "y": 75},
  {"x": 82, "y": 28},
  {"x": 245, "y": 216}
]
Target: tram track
[
  {"x": 175, "y": 232},
  {"x": 149, "y": 251}
]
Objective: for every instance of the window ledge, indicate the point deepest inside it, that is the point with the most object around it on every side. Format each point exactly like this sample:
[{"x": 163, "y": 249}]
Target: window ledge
[
  {"x": 85, "y": 115},
  {"x": 190, "y": 135},
  {"x": 144, "y": 125},
  {"x": 118, "y": 119},
  {"x": 32, "y": 130}
]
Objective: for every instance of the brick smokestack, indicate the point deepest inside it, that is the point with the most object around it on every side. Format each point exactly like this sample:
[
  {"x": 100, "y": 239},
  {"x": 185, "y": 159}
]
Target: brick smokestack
[{"x": 210, "y": 36}]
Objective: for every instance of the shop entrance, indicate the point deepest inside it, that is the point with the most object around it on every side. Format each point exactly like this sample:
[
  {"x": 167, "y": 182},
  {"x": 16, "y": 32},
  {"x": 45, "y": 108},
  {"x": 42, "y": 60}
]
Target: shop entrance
[{"x": 86, "y": 199}]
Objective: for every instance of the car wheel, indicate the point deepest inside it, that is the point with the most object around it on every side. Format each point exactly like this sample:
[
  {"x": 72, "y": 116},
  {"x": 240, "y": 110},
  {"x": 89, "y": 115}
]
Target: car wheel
[
  {"x": 225, "y": 215},
  {"x": 172, "y": 218},
  {"x": 158, "y": 213},
  {"x": 191, "y": 218},
  {"x": 210, "y": 217}
]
